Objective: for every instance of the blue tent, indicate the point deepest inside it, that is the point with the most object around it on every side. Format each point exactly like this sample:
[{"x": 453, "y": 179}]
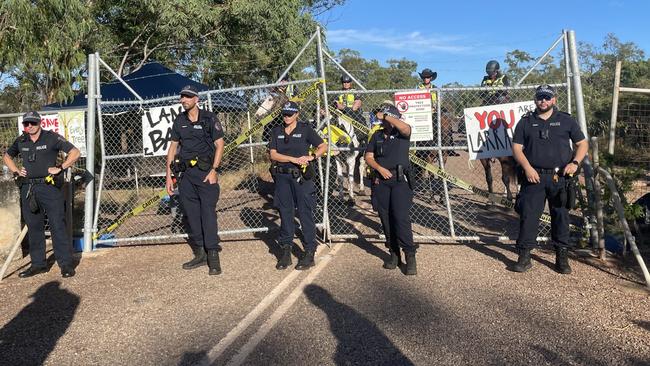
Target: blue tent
[{"x": 151, "y": 81}]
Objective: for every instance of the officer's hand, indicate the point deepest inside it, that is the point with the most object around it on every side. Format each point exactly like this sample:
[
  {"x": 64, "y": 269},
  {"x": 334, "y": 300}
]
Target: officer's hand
[
  {"x": 303, "y": 160},
  {"x": 211, "y": 177},
  {"x": 340, "y": 106},
  {"x": 54, "y": 170},
  {"x": 22, "y": 172},
  {"x": 385, "y": 173},
  {"x": 169, "y": 184},
  {"x": 532, "y": 176},
  {"x": 380, "y": 115},
  {"x": 570, "y": 169}
]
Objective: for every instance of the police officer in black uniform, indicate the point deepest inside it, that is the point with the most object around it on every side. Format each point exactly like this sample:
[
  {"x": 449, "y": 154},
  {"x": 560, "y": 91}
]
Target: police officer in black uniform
[
  {"x": 293, "y": 174},
  {"x": 392, "y": 194},
  {"x": 199, "y": 136},
  {"x": 542, "y": 148},
  {"x": 40, "y": 180}
]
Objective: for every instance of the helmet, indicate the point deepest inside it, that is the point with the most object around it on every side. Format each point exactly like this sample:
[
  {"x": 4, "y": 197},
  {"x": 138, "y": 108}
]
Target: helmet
[
  {"x": 427, "y": 73},
  {"x": 492, "y": 67},
  {"x": 346, "y": 78}
]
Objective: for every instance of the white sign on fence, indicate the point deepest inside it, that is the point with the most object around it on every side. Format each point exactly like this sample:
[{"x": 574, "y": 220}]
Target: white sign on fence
[
  {"x": 75, "y": 129},
  {"x": 490, "y": 128},
  {"x": 157, "y": 129},
  {"x": 415, "y": 107}
]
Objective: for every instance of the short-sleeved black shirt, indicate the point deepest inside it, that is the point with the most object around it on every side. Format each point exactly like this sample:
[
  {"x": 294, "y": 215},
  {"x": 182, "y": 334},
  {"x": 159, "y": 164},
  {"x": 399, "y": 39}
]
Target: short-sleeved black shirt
[
  {"x": 39, "y": 155},
  {"x": 395, "y": 146},
  {"x": 197, "y": 138},
  {"x": 554, "y": 151},
  {"x": 302, "y": 137}
]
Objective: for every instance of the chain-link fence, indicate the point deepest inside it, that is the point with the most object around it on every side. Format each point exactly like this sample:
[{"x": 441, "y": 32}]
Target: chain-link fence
[
  {"x": 456, "y": 208},
  {"x": 133, "y": 206}
]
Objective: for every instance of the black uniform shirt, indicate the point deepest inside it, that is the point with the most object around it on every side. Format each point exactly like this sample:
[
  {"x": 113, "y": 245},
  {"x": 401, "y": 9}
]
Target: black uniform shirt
[
  {"x": 546, "y": 143},
  {"x": 295, "y": 145},
  {"x": 395, "y": 149},
  {"x": 39, "y": 155},
  {"x": 197, "y": 139}
]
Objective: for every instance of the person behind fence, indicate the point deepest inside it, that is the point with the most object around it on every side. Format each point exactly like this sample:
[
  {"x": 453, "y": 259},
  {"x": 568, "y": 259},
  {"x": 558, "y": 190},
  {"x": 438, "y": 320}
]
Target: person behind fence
[
  {"x": 392, "y": 192},
  {"x": 349, "y": 102},
  {"x": 494, "y": 78},
  {"x": 199, "y": 136},
  {"x": 278, "y": 96},
  {"x": 40, "y": 180},
  {"x": 542, "y": 148},
  {"x": 293, "y": 173}
]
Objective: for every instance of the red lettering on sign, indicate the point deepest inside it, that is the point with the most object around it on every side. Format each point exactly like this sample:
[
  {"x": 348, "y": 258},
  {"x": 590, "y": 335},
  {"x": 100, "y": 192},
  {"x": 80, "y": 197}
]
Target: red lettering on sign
[
  {"x": 481, "y": 119},
  {"x": 494, "y": 119}
]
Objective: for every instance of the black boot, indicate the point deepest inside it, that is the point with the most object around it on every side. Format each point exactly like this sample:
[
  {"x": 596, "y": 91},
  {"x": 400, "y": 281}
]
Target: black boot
[
  {"x": 523, "y": 262},
  {"x": 285, "y": 258},
  {"x": 200, "y": 258},
  {"x": 32, "y": 271},
  {"x": 394, "y": 261},
  {"x": 306, "y": 261},
  {"x": 411, "y": 265},
  {"x": 67, "y": 271},
  {"x": 562, "y": 261},
  {"x": 213, "y": 262}
]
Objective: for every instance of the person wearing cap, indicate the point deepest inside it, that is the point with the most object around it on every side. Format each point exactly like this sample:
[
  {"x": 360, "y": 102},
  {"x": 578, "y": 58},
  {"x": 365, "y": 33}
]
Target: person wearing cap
[
  {"x": 542, "y": 148},
  {"x": 199, "y": 135},
  {"x": 40, "y": 180},
  {"x": 392, "y": 195},
  {"x": 349, "y": 102},
  {"x": 494, "y": 78},
  {"x": 278, "y": 97},
  {"x": 294, "y": 185}
]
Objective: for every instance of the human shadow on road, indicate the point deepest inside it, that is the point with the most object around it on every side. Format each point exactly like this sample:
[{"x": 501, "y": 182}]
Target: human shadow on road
[
  {"x": 360, "y": 342},
  {"x": 192, "y": 358},
  {"x": 33, "y": 333}
]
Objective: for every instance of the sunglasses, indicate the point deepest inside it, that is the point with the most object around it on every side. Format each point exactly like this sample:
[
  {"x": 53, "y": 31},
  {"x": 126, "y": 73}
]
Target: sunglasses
[
  {"x": 288, "y": 115},
  {"x": 31, "y": 157},
  {"x": 32, "y": 123},
  {"x": 543, "y": 97}
]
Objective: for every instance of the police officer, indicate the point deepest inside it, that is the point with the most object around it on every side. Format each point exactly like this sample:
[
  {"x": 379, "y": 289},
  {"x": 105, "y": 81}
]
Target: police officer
[
  {"x": 349, "y": 102},
  {"x": 494, "y": 78},
  {"x": 542, "y": 148},
  {"x": 392, "y": 194},
  {"x": 199, "y": 136},
  {"x": 40, "y": 180},
  {"x": 294, "y": 182}
]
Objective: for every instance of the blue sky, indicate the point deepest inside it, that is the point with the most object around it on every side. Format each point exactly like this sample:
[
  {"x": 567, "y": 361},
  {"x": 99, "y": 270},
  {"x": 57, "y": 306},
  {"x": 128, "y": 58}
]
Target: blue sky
[{"x": 457, "y": 38}]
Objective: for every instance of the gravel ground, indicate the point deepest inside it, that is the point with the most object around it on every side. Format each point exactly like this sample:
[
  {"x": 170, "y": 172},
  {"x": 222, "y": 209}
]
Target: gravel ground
[{"x": 134, "y": 305}]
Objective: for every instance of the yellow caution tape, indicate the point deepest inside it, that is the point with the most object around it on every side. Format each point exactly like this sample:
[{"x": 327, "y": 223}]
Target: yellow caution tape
[
  {"x": 442, "y": 174},
  {"x": 229, "y": 148}
]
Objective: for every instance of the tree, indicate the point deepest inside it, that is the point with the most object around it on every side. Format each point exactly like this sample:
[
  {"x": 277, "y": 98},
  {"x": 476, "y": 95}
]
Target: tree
[{"x": 43, "y": 46}]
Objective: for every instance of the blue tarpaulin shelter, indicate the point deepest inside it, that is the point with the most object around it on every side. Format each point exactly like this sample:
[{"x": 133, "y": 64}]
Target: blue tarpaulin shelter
[{"x": 151, "y": 81}]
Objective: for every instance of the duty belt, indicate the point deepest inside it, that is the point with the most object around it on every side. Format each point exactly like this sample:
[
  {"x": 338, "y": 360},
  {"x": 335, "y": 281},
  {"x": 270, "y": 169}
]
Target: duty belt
[
  {"x": 36, "y": 180},
  {"x": 287, "y": 170},
  {"x": 544, "y": 171}
]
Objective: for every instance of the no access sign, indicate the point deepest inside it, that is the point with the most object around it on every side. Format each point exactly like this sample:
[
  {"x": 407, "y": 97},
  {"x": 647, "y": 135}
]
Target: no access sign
[{"x": 415, "y": 107}]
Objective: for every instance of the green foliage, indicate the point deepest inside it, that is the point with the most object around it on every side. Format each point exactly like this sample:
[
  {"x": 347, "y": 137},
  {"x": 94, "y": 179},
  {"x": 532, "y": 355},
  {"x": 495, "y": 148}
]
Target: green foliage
[{"x": 43, "y": 46}]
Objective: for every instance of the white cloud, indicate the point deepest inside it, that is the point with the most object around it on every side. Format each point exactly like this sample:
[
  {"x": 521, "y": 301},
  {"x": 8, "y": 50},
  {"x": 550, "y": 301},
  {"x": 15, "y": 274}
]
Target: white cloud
[{"x": 413, "y": 42}]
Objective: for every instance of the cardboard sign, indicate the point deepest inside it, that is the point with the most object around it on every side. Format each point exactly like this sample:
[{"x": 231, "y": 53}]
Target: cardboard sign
[
  {"x": 490, "y": 128},
  {"x": 415, "y": 107},
  {"x": 157, "y": 129}
]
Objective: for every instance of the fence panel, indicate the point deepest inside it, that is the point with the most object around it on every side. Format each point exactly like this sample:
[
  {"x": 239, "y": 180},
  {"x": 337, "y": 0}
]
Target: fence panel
[
  {"x": 441, "y": 210},
  {"x": 135, "y": 143}
]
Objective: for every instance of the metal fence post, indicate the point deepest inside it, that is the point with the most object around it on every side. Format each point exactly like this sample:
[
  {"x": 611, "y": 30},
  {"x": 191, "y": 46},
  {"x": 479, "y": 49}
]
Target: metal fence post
[
  {"x": 612, "y": 122},
  {"x": 582, "y": 120},
  {"x": 321, "y": 71},
  {"x": 441, "y": 163},
  {"x": 567, "y": 68},
  {"x": 90, "y": 152}
]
